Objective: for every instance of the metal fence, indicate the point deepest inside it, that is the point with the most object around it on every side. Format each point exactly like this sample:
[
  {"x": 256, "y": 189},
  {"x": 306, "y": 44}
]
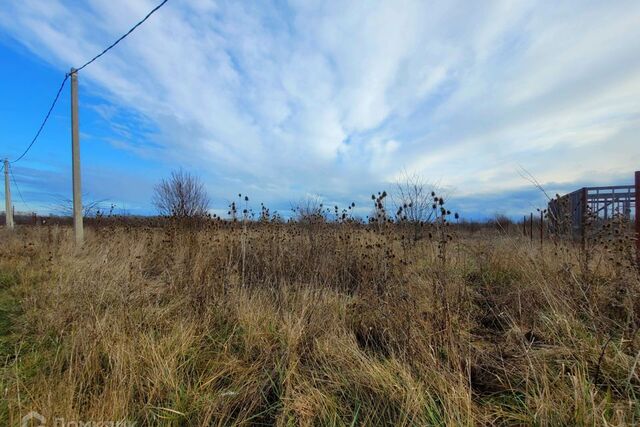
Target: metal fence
[{"x": 596, "y": 206}]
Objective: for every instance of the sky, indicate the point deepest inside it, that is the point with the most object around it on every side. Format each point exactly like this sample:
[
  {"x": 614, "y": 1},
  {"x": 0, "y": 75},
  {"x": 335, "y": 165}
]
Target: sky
[{"x": 287, "y": 100}]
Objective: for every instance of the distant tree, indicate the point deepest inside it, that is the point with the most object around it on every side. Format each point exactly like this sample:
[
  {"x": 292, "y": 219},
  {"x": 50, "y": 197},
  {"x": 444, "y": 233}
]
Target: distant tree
[
  {"x": 182, "y": 195},
  {"x": 416, "y": 201},
  {"x": 90, "y": 207},
  {"x": 502, "y": 222},
  {"x": 309, "y": 210}
]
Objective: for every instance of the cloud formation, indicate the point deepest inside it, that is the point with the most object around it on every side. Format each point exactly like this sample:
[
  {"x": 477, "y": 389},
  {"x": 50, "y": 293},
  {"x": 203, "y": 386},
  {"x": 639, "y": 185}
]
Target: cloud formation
[{"x": 338, "y": 98}]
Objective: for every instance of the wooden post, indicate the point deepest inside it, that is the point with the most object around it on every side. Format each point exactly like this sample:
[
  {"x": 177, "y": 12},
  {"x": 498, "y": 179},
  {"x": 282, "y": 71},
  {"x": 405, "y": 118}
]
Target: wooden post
[
  {"x": 541, "y": 228},
  {"x": 78, "y": 230},
  {"x": 524, "y": 226},
  {"x": 8, "y": 216},
  {"x": 531, "y": 227}
]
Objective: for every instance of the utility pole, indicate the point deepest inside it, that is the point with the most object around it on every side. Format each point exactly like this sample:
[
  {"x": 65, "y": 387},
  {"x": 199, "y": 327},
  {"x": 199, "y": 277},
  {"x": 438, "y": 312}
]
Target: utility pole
[
  {"x": 75, "y": 154},
  {"x": 7, "y": 197},
  {"x": 583, "y": 218},
  {"x": 637, "y": 191}
]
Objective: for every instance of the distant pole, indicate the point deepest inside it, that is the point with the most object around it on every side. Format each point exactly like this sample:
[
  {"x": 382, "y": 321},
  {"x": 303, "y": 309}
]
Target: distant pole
[
  {"x": 524, "y": 226},
  {"x": 638, "y": 216},
  {"x": 8, "y": 217},
  {"x": 75, "y": 154},
  {"x": 583, "y": 218},
  {"x": 531, "y": 227}
]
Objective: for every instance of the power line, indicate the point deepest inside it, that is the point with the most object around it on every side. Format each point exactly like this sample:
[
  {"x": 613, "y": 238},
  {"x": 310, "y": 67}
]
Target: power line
[
  {"x": 124, "y": 36},
  {"x": 53, "y": 104},
  {"x": 55, "y": 100},
  {"x": 18, "y": 188}
]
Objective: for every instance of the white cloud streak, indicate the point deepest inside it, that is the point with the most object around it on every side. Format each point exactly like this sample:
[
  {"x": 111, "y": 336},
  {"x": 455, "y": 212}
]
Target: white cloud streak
[{"x": 332, "y": 97}]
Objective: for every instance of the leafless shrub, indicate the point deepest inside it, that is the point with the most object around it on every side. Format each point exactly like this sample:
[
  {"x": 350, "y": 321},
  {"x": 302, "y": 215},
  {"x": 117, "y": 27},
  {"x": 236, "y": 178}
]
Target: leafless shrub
[
  {"x": 503, "y": 223},
  {"x": 309, "y": 210},
  {"x": 413, "y": 199},
  {"x": 90, "y": 207},
  {"x": 182, "y": 195}
]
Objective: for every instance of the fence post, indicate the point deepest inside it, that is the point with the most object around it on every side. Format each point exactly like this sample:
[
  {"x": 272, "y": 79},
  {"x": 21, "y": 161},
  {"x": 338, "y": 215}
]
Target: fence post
[
  {"x": 8, "y": 217},
  {"x": 524, "y": 226},
  {"x": 541, "y": 228},
  {"x": 531, "y": 227}
]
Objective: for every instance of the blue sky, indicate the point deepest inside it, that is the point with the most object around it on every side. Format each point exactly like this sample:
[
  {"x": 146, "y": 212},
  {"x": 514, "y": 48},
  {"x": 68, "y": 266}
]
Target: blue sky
[{"x": 282, "y": 100}]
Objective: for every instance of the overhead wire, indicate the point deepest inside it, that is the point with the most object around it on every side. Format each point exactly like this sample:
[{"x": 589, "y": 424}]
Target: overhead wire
[
  {"x": 18, "y": 188},
  {"x": 123, "y": 36},
  {"x": 53, "y": 104},
  {"x": 75, "y": 70}
]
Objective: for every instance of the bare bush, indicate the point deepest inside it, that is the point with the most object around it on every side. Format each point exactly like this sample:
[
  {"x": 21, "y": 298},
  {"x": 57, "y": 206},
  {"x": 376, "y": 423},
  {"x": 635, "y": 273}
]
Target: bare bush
[
  {"x": 414, "y": 200},
  {"x": 182, "y": 195},
  {"x": 309, "y": 210},
  {"x": 502, "y": 222},
  {"x": 90, "y": 207}
]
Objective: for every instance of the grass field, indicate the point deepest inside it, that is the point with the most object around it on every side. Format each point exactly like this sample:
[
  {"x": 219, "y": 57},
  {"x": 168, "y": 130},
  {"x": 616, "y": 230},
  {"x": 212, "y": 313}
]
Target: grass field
[{"x": 317, "y": 324}]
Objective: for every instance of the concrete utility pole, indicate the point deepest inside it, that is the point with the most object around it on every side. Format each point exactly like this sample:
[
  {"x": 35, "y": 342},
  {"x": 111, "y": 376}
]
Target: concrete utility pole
[
  {"x": 78, "y": 231},
  {"x": 7, "y": 197},
  {"x": 583, "y": 217},
  {"x": 637, "y": 190}
]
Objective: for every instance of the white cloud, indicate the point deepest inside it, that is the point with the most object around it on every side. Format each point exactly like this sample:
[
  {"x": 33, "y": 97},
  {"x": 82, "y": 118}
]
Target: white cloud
[{"x": 324, "y": 96}]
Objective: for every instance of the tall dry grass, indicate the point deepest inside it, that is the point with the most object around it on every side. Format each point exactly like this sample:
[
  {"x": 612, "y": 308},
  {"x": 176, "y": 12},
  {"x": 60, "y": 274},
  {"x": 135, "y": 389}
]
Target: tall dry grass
[{"x": 315, "y": 324}]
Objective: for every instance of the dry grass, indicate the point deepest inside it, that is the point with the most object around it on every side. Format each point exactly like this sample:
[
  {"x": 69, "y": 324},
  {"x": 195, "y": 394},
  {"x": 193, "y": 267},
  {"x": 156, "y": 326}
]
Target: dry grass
[{"x": 319, "y": 325}]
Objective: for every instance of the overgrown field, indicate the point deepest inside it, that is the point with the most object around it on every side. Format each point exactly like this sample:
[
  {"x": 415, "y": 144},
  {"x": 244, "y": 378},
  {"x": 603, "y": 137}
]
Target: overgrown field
[{"x": 316, "y": 324}]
